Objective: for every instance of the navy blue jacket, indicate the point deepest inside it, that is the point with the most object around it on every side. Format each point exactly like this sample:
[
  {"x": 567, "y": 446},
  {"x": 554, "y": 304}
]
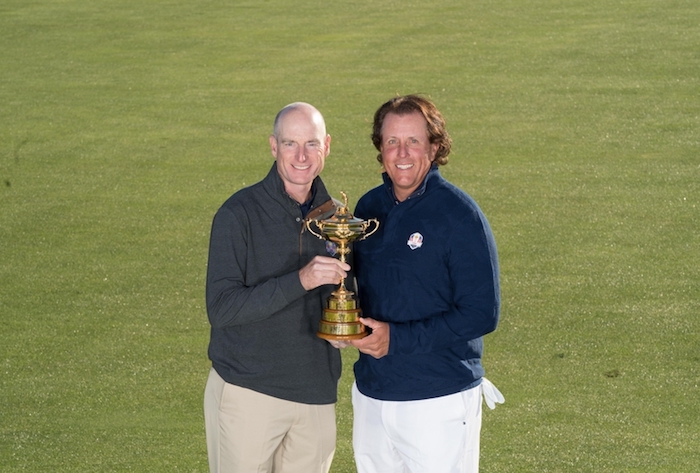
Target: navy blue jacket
[{"x": 431, "y": 271}]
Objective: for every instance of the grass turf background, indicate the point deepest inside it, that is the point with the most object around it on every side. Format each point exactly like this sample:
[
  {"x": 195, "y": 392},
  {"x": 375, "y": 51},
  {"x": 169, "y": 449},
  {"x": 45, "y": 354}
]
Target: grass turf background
[{"x": 125, "y": 124}]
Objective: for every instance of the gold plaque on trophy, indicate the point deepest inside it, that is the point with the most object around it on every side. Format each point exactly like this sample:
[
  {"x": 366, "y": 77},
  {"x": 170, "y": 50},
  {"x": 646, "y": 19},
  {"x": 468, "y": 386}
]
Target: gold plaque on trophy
[{"x": 341, "y": 316}]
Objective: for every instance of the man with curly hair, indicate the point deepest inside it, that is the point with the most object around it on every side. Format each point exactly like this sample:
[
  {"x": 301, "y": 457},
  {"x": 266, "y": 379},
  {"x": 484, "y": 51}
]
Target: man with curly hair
[{"x": 428, "y": 284}]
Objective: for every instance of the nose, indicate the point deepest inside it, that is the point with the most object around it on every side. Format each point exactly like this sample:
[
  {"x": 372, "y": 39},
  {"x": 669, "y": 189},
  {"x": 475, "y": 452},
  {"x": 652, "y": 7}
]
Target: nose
[
  {"x": 301, "y": 153},
  {"x": 403, "y": 149}
]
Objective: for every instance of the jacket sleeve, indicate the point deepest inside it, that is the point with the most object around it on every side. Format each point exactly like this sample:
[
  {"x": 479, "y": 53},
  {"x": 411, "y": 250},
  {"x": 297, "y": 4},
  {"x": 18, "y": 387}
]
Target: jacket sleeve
[
  {"x": 230, "y": 301},
  {"x": 472, "y": 265}
]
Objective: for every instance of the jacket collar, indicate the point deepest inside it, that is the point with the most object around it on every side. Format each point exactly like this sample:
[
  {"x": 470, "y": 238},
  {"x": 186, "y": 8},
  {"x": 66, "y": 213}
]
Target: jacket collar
[
  {"x": 274, "y": 185},
  {"x": 433, "y": 173}
]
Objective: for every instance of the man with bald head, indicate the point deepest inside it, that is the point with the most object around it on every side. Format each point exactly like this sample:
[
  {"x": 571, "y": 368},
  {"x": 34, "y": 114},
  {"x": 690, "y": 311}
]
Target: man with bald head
[{"x": 270, "y": 398}]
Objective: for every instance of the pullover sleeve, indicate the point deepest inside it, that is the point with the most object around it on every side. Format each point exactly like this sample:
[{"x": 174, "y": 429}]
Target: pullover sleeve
[{"x": 230, "y": 299}]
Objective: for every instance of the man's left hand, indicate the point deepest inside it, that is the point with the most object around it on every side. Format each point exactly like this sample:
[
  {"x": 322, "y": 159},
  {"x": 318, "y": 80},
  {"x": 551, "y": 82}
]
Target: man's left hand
[{"x": 376, "y": 344}]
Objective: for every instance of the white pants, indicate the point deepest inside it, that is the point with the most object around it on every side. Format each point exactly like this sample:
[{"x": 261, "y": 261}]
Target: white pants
[
  {"x": 439, "y": 435},
  {"x": 251, "y": 432}
]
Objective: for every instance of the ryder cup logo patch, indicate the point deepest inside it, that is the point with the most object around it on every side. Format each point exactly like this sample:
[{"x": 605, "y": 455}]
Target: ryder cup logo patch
[{"x": 415, "y": 241}]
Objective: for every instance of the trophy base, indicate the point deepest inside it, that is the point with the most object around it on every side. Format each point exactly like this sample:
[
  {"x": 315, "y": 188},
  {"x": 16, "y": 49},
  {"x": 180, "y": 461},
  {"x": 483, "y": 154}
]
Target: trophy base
[
  {"x": 335, "y": 331},
  {"x": 341, "y": 318}
]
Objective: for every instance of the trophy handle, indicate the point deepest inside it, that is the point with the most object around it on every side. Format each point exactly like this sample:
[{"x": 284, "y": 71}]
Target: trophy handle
[
  {"x": 376, "y": 227},
  {"x": 308, "y": 226}
]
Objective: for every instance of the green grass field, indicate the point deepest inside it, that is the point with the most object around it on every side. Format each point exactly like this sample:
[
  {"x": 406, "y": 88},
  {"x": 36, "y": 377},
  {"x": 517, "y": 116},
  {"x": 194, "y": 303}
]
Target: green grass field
[{"x": 125, "y": 124}]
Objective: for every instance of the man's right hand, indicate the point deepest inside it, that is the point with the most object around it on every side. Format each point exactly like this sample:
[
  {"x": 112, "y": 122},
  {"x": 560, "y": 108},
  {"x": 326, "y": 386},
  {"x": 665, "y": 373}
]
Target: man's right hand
[{"x": 322, "y": 270}]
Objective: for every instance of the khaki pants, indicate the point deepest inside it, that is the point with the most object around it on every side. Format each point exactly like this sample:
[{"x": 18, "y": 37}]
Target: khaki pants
[{"x": 250, "y": 432}]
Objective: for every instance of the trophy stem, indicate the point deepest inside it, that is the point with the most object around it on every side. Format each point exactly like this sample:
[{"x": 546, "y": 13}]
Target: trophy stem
[
  {"x": 343, "y": 250},
  {"x": 342, "y": 292}
]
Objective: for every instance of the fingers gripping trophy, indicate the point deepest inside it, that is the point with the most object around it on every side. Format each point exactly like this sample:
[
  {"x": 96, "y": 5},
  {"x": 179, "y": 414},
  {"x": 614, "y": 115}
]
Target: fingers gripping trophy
[{"x": 341, "y": 316}]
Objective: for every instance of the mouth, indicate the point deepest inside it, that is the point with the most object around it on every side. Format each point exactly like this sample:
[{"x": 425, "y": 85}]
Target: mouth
[
  {"x": 301, "y": 168},
  {"x": 404, "y": 167}
]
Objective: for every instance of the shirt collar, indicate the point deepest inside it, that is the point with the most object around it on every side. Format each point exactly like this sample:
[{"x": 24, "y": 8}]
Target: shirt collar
[{"x": 306, "y": 206}]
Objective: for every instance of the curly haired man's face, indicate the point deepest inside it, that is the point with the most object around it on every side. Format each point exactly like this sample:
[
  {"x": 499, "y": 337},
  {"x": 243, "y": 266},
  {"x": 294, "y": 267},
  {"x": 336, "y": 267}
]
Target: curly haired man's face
[{"x": 407, "y": 153}]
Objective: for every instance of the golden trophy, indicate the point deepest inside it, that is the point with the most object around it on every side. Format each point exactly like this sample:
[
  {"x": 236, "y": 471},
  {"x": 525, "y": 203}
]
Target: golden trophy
[{"x": 341, "y": 316}]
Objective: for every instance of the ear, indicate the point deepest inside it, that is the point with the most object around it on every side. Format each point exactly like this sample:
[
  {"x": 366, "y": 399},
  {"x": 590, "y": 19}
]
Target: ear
[
  {"x": 433, "y": 151},
  {"x": 328, "y": 145},
  {"x": 273, "y": 146}
]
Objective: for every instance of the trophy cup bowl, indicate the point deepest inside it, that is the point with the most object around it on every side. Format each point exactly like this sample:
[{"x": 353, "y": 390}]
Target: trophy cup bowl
[{"x": 341, "y": 315}]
